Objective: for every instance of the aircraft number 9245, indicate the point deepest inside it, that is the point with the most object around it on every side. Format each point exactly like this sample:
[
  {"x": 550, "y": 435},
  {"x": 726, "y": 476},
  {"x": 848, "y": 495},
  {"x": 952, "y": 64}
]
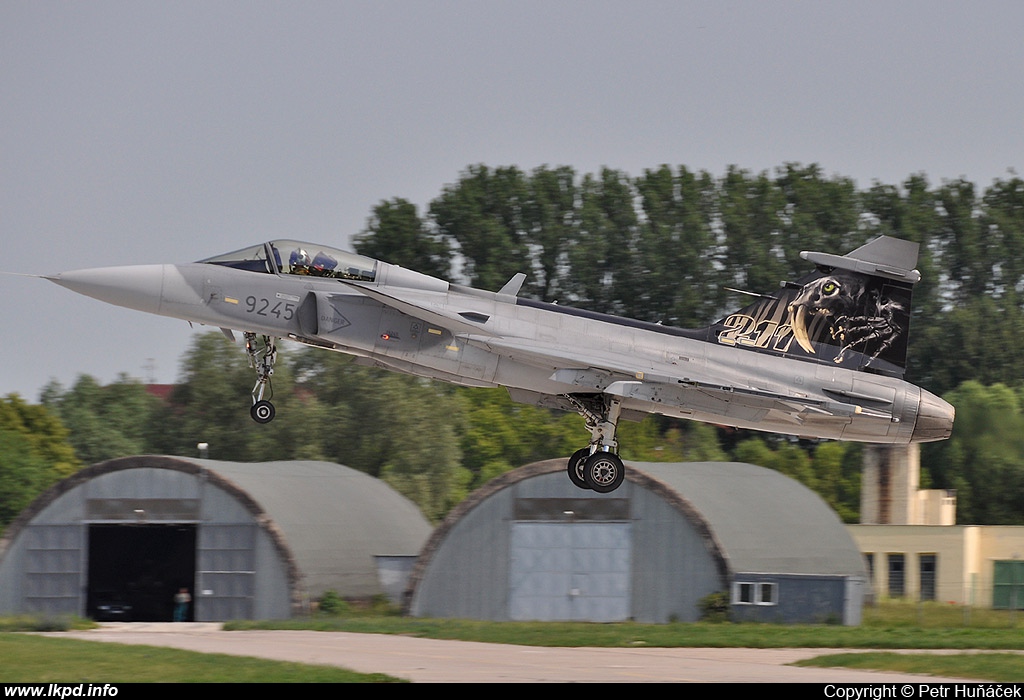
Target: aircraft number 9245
[{"x": 268, "y": 307}]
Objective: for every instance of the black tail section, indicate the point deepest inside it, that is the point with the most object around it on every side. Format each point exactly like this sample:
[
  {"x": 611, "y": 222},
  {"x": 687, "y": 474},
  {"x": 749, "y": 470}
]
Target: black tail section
[{"x": 853, "y": 311}]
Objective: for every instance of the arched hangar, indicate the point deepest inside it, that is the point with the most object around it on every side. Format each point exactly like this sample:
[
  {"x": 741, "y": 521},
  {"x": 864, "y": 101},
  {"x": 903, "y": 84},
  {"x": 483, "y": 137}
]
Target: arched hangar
[
  {"x": 249, "y": 541},
  {"x": 531, "y": 546}
]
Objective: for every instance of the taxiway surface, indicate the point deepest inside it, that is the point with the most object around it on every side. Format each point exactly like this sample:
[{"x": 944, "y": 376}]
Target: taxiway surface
[{"x": 444, "y": 661}]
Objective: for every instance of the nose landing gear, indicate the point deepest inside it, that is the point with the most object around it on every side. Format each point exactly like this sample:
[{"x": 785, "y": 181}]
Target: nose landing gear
[{"x": 262, "y": 356}]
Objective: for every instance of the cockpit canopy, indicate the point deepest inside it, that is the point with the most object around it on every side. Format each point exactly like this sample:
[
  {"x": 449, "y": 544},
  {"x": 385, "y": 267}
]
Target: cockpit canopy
[{"x": 286, "y": 257}]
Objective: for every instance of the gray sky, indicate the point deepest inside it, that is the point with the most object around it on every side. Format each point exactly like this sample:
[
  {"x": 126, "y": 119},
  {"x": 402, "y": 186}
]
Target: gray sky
[{"x": 140, "y": 132}]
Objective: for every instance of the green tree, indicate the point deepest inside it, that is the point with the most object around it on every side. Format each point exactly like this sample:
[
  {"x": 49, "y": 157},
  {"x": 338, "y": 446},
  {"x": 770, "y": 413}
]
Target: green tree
[
  {"x": 786, "y": 457},
  {"x": 481, "y": 216},
  {"x": 103, "y": 422},
  {"x": 985, "y": 333},
  {"x": 1002, "y": 221},
  {"x": 696, "y": 442},
  {"x": 499, "y": 435},
  {"x": 968, "y": 248},
  {"x": 837, "y": 470},
  {"x": 46, "y": 435},
  {"x": 414, "y": 444},
  {"x": 661, "y": 439},
  {"x": 819, "y": 214},
  {"x": 602, "y": 253},
  {"x": 550, "y": 219},
  {"x": 210, "y": 404},
  {"x": 396, "y": 234},
  {"x": 401, "y": 429},
  {"x": 676, "y": 249},
  {"x": 34, "y": 454},
  {"x": 749, "y": 210},
  {"x": 23, "y": 475},
  {"x": 984, "y": 458},
  {"x": 830, "y": 469}
]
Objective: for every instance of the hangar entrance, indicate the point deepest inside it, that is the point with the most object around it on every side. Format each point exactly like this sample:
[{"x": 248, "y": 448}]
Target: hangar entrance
[
  {"x": 570, "y": 559},
  {"x": 570, "y": 571},
  {"x": 135, "y": 570}
]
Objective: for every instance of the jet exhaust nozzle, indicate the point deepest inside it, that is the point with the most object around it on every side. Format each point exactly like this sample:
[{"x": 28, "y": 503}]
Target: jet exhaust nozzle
[{"x": 934, "y": 419}]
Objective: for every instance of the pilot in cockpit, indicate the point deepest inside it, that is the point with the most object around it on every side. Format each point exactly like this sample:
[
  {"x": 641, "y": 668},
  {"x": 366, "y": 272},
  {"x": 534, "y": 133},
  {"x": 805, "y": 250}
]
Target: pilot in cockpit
[{"x": 299, "y": 262}]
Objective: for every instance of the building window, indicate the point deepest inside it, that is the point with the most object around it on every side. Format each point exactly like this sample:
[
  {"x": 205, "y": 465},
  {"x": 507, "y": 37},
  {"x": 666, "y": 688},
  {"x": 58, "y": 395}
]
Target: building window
[
  {"x": 869, "y": 559},
  {"x": 896, "y": 573},
  {"x": 927, "y": 567},
  {"x": 750, "y": 593},
  {"x": 1008, "y": 585},
  {"x": 743, "y": 593}
]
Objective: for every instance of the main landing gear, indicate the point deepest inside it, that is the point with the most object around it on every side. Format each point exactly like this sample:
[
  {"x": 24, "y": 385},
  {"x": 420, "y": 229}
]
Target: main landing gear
[
  {"x": 262, "y": 356},
  {"x": 597, "y": 467}
]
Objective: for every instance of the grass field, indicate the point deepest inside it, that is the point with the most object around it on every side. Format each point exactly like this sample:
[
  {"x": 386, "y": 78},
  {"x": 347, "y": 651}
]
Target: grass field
[
  {"x": 889, "y": 626},
  {"x": 27, "y": 658},
  {"x": 1005, "y": 668}
]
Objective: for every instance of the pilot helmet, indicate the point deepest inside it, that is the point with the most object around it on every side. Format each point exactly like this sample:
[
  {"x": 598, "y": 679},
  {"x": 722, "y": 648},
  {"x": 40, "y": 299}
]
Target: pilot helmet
[{"x": 299, "y": 258}]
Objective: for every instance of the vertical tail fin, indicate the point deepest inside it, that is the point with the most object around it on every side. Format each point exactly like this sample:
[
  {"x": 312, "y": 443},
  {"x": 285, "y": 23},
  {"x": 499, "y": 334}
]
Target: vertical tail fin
[{"x": 853, "y": 311}]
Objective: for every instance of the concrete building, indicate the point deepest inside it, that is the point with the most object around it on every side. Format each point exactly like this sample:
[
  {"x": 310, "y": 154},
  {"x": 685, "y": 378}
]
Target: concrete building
[
  {"x": 962, "y": 564},
  {"x": 253, "y": 541},
  {"x": 890, "y": 495},
  {"x": 531, "y": 546},
  {"x": 915, "y": 550}
]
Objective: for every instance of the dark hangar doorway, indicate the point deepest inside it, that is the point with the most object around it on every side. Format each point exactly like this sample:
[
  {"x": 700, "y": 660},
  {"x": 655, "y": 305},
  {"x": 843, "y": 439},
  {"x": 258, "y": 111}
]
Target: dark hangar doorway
[{"x": 135, "y": 570}]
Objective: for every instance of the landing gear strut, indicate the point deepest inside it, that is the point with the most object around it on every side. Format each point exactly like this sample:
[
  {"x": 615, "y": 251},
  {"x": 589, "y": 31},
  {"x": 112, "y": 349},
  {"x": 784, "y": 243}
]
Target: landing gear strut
[
  {"x": 261, "y": 358},
  {"x": 597, "y": 467}
]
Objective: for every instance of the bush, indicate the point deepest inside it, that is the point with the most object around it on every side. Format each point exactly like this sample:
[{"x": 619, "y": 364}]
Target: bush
[
  {"x": 714, "y": 607},
  {"x": 332, "y": 604}
]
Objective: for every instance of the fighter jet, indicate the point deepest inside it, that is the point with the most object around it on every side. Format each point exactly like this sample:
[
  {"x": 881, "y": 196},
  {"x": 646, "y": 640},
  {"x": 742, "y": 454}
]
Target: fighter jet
[{"x": 822, "y": 357}]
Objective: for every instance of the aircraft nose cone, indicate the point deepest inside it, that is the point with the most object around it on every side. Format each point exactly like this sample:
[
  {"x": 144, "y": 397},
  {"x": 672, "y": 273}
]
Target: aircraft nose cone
[
  {"x": 134, "y": 286},
  {"x": 934, "y": 419}
]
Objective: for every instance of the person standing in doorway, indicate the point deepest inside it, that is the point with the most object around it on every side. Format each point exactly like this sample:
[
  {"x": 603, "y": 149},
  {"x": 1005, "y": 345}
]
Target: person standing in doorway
[{"x": 181, "y": 601}]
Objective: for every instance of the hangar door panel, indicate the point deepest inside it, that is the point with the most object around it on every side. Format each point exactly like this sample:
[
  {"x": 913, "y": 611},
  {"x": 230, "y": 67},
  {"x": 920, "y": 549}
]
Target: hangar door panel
[
  {"x": 570, "y": 571},
  {"x": 53, "y": 569},
  {"x": 226, "y": 572}
]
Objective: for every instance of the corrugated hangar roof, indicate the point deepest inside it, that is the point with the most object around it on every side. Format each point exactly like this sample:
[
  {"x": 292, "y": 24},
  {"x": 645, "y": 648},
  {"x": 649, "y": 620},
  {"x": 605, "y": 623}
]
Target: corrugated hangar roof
[
  {"x": 762, "y": 519},
  {"x": 335, "y": 519}
]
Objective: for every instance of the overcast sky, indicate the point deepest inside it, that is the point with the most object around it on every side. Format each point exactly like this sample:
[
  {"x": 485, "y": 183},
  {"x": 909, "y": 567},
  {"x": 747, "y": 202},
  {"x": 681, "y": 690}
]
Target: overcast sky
[{"x": 138, "y": 132}]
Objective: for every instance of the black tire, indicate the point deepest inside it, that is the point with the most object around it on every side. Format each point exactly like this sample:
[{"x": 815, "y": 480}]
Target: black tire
[
  {"x": 575, "y": 468},
  {"x": 604, "y": 472},
  {"x": 262, "y": 412}
]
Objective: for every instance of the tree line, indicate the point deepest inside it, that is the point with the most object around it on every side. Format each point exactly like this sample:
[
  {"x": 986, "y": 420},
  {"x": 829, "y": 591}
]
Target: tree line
[
  {"x": 667, "y": 247},
  {"x": 663, "y": 247}
]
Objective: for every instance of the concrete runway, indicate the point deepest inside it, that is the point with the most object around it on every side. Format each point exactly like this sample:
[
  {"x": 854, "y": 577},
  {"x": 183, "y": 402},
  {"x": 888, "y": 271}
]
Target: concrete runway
[{"x": 440, "y": 661}]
